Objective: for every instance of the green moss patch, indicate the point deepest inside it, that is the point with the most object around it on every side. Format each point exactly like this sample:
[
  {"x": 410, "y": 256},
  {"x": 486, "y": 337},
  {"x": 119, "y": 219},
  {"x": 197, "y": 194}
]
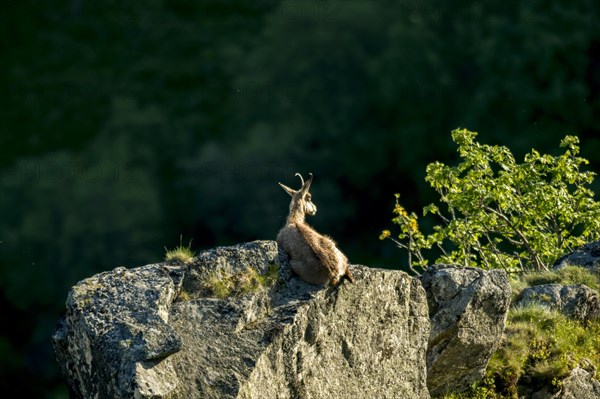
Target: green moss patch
[{"x": 221, "y": 284}]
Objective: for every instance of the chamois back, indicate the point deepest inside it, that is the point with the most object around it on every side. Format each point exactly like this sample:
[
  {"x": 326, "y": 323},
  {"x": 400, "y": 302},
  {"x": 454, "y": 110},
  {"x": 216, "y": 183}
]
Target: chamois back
[{"x": 314, "y": 257}]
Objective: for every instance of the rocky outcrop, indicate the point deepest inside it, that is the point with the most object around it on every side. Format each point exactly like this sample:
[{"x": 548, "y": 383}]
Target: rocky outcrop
[
  {"x": 580, "y": 384},
  {"x": 115, "y": 340},
  {"x": 468, "y": 309},
  {"x": 575, "y": 301},
  {"x": 587, "y": 256},
  {"x": 220, "y": 327}
]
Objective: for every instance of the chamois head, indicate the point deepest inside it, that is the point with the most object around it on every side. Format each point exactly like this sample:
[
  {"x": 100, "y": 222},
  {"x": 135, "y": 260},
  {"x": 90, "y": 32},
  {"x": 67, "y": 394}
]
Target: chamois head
[{"x": 301, "y": 203}]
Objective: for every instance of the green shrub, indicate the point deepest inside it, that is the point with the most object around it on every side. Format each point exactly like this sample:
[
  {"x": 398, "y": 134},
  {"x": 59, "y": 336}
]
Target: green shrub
[{"x": 498, "y": 213}]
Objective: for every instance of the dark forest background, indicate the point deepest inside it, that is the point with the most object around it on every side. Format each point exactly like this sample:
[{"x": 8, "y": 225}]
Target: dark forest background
[{"x": 127, "y": 124}]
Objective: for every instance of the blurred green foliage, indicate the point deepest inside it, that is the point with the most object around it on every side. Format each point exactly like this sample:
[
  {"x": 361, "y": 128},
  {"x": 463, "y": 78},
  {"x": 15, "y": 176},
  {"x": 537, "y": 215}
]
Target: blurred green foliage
[{"x": 126, "y": 124}]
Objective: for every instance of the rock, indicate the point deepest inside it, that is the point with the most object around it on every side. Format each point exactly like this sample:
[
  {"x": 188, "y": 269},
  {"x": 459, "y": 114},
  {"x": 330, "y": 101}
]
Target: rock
[
  {"x": 115, "y": 340},
  {"x": 467, "y": 309},
  {"x": 160, "y": 331},
  {"x": 580, "y": 385},
  {"x": 587, "y": 256},
  {"x": 575, "y": 301}
]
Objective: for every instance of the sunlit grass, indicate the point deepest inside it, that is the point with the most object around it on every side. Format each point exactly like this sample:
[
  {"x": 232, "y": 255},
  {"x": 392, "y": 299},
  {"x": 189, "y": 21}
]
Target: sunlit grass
[
  {"x": 540, "y": 347},
  {"x": 221, "y": 284},
  {"x": 567, "y": 275},
  {"x": 180, "y": 254}
]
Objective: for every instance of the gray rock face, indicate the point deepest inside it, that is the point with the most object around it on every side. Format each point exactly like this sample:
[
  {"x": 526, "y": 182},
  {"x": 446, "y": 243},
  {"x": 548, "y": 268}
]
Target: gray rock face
[
  {"x": 115, "y": 340},
  {"x": 580, "y": 385},
  {"x": 587, "y": 256},
  {"x": 575, "y": 301},
  {"x": 468, "y": 309},
  {"x": 129, "y": 333}
]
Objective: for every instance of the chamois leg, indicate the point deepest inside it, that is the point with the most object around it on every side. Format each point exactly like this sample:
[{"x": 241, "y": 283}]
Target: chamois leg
[
  {"x": 349, "y": 275},
  {"x": 335, "y": 281}
]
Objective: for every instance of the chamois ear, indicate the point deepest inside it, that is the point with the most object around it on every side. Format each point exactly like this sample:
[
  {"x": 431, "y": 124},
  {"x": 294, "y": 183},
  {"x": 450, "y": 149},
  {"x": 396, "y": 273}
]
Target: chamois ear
[{"x": 287, "y": 189}]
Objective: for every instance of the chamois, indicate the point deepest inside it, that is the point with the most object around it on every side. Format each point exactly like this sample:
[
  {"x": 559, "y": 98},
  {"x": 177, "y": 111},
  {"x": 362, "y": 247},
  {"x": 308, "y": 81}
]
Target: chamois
[{"x": 314, "y": 257}]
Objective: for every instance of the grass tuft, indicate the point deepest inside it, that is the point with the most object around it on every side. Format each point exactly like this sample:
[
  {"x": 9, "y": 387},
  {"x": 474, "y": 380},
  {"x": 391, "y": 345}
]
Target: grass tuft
[
  {"x": 180, "y": 254},
  {"x": 220, "y": 284},
  {"x": 224, "y": 285},
  {"x": 567, "y": 275}
]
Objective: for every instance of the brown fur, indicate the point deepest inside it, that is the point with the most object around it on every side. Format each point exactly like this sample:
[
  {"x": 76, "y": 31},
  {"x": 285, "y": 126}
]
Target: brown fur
[{"x": 314, "y": 257}]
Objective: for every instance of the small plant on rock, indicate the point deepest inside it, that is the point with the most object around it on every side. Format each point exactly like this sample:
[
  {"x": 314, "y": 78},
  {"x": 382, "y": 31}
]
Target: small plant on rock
[
  {"x": 181, "y": 253},
  {"x": 223, "y": 284},
  {"x": 497, "y": 213}
]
